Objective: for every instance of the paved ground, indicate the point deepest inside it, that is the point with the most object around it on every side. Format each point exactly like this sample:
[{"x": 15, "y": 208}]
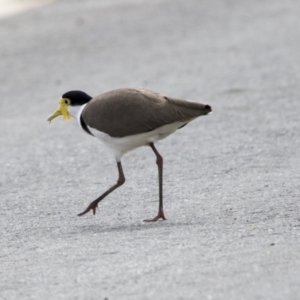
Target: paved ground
[{"x": 231, "y": 179}]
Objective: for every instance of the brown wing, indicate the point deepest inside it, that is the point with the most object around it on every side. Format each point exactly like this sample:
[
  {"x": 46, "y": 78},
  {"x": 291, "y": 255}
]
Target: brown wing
[{"x": 126, "y": 112}]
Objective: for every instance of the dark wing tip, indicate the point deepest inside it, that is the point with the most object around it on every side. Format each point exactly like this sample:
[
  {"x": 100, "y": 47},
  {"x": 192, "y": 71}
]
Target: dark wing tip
[{"x": 207, "y": 109}]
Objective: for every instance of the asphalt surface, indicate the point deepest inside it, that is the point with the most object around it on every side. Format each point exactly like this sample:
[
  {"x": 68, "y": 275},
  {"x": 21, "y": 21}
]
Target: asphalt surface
[{"x": 231, "y": 179}]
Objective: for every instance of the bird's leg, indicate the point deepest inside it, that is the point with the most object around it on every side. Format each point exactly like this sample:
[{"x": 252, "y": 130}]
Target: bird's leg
[
  {"x": 159, "y": 162},
  {"x": 120, "y": 181}
]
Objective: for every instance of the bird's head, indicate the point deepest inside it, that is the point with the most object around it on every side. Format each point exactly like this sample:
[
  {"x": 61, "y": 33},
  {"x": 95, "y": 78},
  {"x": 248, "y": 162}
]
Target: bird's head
[{"x": 72, "y": 99}]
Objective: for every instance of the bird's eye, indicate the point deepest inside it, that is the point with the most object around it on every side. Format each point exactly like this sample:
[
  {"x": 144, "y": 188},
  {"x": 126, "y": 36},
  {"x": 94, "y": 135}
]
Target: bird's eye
[{"x": 67, "y": 101}]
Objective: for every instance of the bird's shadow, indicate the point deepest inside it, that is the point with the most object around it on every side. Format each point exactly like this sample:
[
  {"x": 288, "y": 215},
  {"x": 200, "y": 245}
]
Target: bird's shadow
[{"x": 98, "y": 228}]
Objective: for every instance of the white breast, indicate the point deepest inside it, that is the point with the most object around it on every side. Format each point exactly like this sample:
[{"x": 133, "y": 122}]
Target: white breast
[{"x": 124, "y": 144}]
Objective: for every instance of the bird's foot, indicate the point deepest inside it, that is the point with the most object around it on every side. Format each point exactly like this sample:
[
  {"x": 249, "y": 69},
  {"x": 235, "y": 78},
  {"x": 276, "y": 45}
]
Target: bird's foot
[
  {"x": 160, "y": 215},
  {"x": 92, "y": 206}
]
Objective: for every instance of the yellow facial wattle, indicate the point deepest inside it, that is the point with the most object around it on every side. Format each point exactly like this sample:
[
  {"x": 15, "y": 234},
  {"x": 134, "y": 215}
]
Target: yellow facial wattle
[{"x": 61, "y": 110}]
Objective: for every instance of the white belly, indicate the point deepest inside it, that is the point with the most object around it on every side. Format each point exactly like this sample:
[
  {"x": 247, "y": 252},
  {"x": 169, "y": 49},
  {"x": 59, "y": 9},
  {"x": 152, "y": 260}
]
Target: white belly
[{"x": 124, "y": 144}]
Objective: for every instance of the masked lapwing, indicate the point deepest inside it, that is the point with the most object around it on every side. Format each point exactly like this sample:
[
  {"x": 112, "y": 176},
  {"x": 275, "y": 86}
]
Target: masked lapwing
[{"x": 125, "y": 119}]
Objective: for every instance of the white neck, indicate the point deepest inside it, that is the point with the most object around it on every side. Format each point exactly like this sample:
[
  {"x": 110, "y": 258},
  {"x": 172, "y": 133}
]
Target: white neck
[{"x": 75, "y": 111}]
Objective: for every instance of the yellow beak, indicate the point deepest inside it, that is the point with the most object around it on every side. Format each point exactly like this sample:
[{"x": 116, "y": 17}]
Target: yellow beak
[{"x": 61, "y": 110}]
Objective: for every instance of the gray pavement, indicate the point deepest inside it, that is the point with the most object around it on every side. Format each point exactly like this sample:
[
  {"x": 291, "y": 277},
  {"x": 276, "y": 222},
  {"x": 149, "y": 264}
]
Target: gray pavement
[{"x": 231, "y": 179}]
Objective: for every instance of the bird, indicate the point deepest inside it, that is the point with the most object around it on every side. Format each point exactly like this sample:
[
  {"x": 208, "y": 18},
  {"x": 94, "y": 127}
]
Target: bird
[{"x": 125, "y": 119}]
